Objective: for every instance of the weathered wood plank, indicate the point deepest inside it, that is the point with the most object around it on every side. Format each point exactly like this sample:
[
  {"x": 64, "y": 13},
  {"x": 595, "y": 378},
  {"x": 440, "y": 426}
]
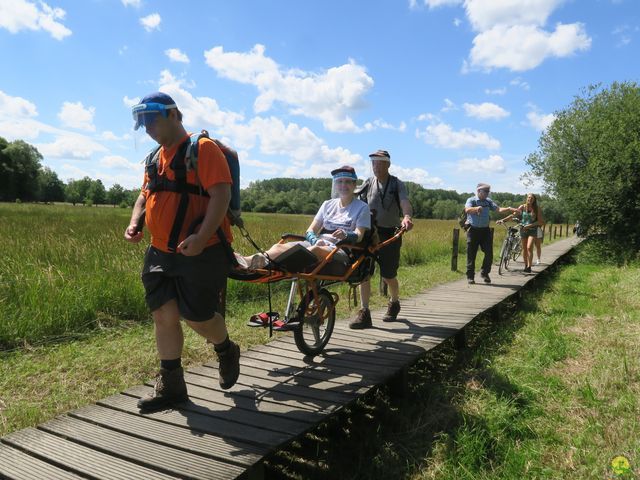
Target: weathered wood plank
[
  {"x": 17, "y": 465},
  {"x": 159, "y": 457},
  {"x": 212, "y": 446},
  {"x": 198, "y": 422},
  {"x": 78, "y": 458}
]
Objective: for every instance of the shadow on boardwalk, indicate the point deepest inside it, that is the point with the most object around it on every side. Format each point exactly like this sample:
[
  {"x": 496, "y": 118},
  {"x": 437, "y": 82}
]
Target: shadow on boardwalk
[{"x": 385, "y": 437}]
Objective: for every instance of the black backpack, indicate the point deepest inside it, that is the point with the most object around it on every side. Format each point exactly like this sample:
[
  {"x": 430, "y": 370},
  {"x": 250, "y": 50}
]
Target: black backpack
[{"x": 463, "y": 219}]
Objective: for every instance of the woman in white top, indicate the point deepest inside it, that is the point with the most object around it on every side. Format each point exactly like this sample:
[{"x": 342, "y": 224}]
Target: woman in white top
[{"x": 341, "y": 218}]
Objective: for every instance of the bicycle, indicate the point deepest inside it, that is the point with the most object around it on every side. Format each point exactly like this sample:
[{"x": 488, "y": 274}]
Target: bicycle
[{"x": 511, "y": 247}]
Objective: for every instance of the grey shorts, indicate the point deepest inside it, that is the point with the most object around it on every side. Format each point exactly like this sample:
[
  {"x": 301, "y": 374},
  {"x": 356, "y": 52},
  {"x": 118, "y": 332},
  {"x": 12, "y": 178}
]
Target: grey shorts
[{"x": 196, "y": 283}]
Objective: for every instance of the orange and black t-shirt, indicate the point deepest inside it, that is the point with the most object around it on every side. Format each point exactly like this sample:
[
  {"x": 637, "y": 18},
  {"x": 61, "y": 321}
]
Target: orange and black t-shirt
[{"x": 161, "y": 207}]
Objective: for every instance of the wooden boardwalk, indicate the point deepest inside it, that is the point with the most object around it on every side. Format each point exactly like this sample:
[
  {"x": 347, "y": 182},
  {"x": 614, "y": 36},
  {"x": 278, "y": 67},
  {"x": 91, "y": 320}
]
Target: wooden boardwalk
[{"x": 279, "y": 396}]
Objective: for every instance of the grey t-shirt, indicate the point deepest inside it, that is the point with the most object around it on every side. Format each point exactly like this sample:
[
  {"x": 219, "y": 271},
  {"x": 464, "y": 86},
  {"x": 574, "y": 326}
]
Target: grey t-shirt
[{"x": 381, "y": 197}]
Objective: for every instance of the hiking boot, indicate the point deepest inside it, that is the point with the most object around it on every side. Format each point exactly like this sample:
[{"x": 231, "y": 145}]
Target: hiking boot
[
  {"x": 170, "y": 388},
  {"x": 229, "y": 366},
  {"x": 393, "y": 309},
  {"x": 363, "y": 320},
  {"x": 471, "y": 281},
  {"x": 485, "y": 277}
]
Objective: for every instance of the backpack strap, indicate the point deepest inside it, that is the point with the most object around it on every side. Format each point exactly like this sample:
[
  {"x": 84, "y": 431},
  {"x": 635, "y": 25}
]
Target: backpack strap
[
  {"x": 396, "y": 191},
  {"x": 179, "y": 167}
]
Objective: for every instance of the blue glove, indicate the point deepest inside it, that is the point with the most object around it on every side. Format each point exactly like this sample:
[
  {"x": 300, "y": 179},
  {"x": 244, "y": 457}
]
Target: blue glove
[{"x": 311, "y": 237}]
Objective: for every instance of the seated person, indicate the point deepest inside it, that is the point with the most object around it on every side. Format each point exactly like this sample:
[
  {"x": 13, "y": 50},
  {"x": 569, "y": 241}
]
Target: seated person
[{"x": 344, "y": 217}]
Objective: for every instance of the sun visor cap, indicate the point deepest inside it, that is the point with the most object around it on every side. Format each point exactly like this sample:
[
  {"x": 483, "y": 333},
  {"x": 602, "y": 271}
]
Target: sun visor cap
[
  {"x": 150, "y": 106},
  {"x": 146, "y": 113}
]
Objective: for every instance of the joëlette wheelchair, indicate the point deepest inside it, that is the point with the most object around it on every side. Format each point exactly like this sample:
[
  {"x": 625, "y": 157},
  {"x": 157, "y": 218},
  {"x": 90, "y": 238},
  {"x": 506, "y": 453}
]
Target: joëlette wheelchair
[{"x": 310, "y": 313}]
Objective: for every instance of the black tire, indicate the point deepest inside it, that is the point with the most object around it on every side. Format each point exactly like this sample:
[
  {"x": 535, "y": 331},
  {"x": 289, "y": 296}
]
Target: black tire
[
  {"x": 516, "y": 250},
  {"x": 316, "y": 328},
  {"x": 504, "y": 256}
]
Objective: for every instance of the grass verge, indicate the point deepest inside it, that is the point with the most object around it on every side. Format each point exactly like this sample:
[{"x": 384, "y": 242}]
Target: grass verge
[{"x": 549, "y": 390}]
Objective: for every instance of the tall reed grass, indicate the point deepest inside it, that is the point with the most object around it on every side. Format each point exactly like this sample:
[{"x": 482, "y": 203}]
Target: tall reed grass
[{"x": 67, "y": 270}]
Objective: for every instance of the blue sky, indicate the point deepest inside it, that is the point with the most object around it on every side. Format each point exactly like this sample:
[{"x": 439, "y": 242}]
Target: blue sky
[{"x": 458, "y": 91}]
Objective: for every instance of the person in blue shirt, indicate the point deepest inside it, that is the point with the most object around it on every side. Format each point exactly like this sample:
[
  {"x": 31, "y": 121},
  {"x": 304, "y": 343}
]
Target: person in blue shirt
[{"x": 477, "y": 209}]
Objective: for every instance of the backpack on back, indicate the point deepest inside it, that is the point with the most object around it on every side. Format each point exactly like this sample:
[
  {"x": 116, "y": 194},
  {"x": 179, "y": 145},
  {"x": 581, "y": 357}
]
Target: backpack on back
[{"x": 191, "y": 161}]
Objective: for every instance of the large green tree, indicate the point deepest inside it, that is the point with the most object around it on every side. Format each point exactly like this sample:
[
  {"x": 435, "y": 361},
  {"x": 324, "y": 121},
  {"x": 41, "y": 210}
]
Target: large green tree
[
  {"x": 19, "y": 168},
  {"x": 589, "y": 159}
]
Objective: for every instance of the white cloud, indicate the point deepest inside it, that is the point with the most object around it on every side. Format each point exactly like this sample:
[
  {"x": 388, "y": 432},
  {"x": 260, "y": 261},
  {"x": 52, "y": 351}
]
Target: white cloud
[
  {"x": 17, "y": 15},
  {"x": 486, "y": 14},
  {"x": 130, "y": 102},
  {"x": 491, "y": 164},
  {"x": 416, "y": 175},
  {"x": 198, "y": 111},
  {"x": 71, "y": 145},
  {"x": 495, "y": 91},
  {"x": 75, "y": 115},
  {"x": 112, "y": 137},
  {"x": 448, "y": 106},
  {"x": 120, "y": 163},
  {"x": 524, "y": 47},
  {"x": 485, "y": 111},
  {"x": 435, "y": 3},
  {"x": 443, "y": 136},
  {"x": 330, "y": 96},
  {"x": 518, "y": 82},
  {"x": 132, "y": 3},
  {"x": 540, "y": 121},
  {"x": 175, "y": 55},
  {"x": 16, "y": 107},
  {"x": 309, "y": 155},
  {"x": 151, "y": 22},
  {"x": 380, "y": 124}
]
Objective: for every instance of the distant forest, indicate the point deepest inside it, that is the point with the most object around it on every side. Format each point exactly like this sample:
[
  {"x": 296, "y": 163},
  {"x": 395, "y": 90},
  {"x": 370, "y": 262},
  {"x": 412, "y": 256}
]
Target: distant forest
[
  {"x": 304, "y": 195},
  {"x": 24, "y": 179}
]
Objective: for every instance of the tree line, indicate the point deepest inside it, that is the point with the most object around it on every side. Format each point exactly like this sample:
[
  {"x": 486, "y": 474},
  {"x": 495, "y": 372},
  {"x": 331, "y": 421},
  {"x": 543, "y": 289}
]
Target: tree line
[
  {"x": 23, "y": 178},
  {"x": 304, "y": 195}
]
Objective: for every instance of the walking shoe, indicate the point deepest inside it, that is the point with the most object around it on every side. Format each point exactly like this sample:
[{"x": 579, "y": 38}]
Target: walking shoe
[
  {"x": 485, "y": 277},
  {"x": 393, "y": 309},
  {"x": 538, "y": 262},
  {"x": 527, "y": 269},
  {"x": 229, "y": 366},
  {"x": 362, "y": 320},
  {"x": 170, "y": 388},
  {"x": 471, "y": 281}
]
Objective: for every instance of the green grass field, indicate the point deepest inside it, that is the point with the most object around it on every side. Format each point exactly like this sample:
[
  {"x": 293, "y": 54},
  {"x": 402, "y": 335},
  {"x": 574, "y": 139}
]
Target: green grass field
[
  {"x": 72, "y": 315},
  {"x": 550, "y": 390}
]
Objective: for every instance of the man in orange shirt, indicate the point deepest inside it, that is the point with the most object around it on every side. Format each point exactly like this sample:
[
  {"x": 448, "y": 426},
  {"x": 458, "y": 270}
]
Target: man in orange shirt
[{"x": 185, "y": 268}]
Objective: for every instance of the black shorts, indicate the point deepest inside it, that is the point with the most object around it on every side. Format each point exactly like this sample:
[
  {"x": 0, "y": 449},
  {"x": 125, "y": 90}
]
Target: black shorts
[
  {"x": 196, "y": 283},
  {"x": 389, "y": 256}
]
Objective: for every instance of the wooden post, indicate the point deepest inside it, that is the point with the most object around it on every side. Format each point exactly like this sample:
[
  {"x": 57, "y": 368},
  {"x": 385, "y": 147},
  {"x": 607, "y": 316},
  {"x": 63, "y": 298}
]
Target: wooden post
[
  {"x": 454, "y": 250},
  {"x": 555, "y": 231},
  {"x": 567, "y": 231},
  {"x": 550, "y": 231},
  {"x": 399, "y": 383},
  {"x": 460, "y": 339}
]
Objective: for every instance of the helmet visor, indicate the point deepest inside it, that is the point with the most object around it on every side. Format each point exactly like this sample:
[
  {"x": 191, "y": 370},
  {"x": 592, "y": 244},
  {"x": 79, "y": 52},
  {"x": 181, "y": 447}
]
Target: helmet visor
[{"x": 146, "y": 113}]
